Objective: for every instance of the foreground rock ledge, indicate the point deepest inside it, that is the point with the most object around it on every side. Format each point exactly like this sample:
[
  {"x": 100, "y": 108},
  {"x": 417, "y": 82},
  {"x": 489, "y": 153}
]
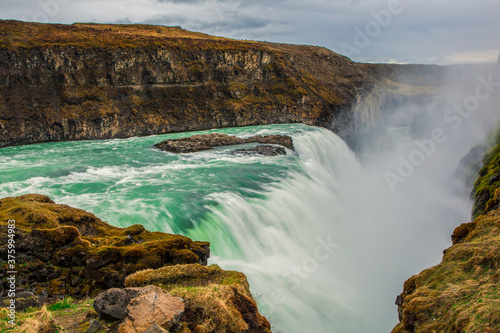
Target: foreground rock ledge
[
  {"x": 208, "y": 141},
  {"x": 219, "y": 300},
  {"x": 68, "y": 252}
]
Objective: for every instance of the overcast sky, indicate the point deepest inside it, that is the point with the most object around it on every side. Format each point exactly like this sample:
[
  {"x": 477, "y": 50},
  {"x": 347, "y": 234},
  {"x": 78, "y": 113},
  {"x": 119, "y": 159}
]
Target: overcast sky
[{"x": 405, "y": 31}]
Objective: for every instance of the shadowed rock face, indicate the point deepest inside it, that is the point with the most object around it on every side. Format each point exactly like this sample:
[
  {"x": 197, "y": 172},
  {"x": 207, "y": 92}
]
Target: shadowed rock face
[{"x": 208, "y": 141}]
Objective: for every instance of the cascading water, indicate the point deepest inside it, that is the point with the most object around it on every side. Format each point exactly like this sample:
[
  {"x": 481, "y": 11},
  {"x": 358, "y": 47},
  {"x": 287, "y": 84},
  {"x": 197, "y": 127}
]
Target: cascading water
[{"x": 324, "y": 241}]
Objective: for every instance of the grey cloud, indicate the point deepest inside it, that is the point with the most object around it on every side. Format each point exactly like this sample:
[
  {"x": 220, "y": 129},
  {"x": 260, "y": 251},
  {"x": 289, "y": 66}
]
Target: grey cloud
[
  {"x": 425, "y": 31},
  {"x": 232, "y": 22}
]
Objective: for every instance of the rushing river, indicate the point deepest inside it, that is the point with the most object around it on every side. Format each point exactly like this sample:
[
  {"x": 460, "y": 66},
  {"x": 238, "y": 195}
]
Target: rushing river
[{"x": 325, "y": 242}]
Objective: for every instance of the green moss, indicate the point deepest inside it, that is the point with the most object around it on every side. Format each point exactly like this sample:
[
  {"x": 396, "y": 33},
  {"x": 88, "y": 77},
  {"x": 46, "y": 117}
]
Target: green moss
[
  {"x": 79, "y": 254},
  {"x": 485, "y": 189},
  {"x": 66, "y": 303},
  {"x": 23, "y": 35}
]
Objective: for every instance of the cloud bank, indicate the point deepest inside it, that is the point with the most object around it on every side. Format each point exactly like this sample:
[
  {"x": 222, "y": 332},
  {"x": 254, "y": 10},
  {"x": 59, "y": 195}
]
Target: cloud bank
[{"x": 427, "y": 31}]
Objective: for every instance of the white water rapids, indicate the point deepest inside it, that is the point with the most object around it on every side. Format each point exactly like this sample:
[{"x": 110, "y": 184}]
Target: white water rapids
[
  {"x": 325, "y": 242},
  {"x": 329, "y": 249}
]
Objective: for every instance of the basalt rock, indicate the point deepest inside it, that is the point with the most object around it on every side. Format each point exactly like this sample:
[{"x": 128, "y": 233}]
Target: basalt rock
[
  {"x": 67, "y": 251},
  {"x": 208, "y": 141},
  {"x": 101, "y": 81},
  {"x": 93, "y": 81},
  {"x": 112, "y": 304},
  {"x": 265, "y": 150}
]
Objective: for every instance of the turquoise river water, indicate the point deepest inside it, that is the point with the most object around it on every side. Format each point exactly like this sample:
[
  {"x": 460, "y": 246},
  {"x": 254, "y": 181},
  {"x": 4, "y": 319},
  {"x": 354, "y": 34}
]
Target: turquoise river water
[{"x": 324, "y": 241}]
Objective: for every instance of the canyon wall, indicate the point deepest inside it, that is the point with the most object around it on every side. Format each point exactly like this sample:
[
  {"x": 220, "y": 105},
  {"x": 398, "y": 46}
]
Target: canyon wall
[{"x": 88, "y": 81}]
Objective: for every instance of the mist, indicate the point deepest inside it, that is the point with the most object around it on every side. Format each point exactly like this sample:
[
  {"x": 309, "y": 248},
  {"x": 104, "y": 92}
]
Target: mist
[{"x": 409, "y": 196}]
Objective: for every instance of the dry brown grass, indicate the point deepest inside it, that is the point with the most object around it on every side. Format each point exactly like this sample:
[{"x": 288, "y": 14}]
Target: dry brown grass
[
  {"x": 16, "y": 34},
  {"x": 215, "y": 303},
  {"x": 216, "y": 300},
  {"x": 187, "y": 276},
  {"x": 41, "y": 322}
]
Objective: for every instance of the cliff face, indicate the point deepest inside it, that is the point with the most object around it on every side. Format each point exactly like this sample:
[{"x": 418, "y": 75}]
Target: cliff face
[
  {"x": 88, "y": 81},
  {"x": 461, "y": 293}
]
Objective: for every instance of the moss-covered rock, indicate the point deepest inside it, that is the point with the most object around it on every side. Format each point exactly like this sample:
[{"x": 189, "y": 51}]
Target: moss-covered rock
[
  {"x": 486, "y": 192},
  {"x": 215, "y": 300},
  {"x": 67, "y": 251},
  {"x": 461, "y": 294}
]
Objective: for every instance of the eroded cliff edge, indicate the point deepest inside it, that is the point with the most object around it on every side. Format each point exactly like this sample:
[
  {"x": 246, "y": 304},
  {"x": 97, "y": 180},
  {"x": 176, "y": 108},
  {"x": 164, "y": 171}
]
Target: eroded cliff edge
[{"x": 91, "y": 81}]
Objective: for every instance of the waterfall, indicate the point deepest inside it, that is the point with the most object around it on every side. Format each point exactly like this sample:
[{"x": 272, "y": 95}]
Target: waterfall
[
  {"x": 328, "y": 248},
  {"x": 286, "y": 242},
  {"x": 324, "y": 240}
]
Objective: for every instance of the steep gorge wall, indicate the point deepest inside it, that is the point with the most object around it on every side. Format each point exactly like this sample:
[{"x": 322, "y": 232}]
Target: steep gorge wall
[{"x": 85, "y": 81}]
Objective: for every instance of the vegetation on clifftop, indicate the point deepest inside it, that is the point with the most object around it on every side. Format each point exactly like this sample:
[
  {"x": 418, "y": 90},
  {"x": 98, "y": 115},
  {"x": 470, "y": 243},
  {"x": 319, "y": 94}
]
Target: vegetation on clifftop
[
  {"x": 67, "y": 251},
  {"x": 23, "y": 35},
  {"x": 220, "y": 300},
  {"x": 487, "y": 187}
]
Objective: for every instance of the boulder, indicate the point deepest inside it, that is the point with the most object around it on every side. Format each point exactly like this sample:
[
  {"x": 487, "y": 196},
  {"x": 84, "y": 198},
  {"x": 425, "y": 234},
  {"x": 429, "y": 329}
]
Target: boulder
[
  {"x": 151, "y": 308},
  {"x": 208, "y": 141},
  {"x": 112, "y": 304}
]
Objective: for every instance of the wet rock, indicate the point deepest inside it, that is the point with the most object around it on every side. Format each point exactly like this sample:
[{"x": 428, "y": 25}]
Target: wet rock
[
  {"x": 208, "y": 141},
  {"x": 265, "y": 150},
  {"x": 494, "y": 178}
]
